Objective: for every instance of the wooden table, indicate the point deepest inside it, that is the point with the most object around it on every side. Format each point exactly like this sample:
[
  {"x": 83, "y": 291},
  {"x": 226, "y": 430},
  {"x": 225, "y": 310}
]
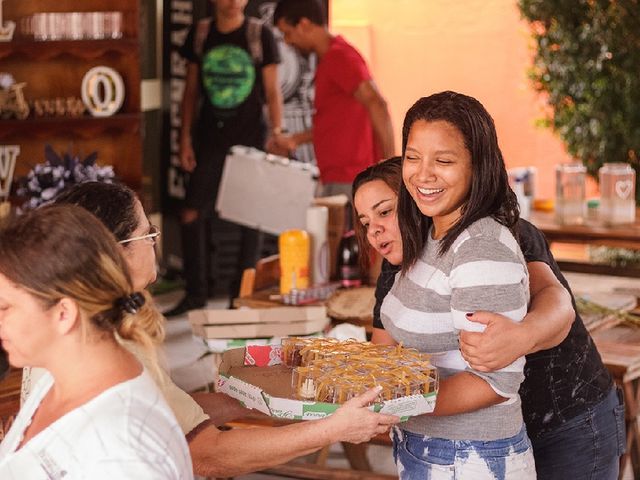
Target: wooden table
[
  {"x": 619, "y": 348},
  {"x": 594, "y": 233},
  {"x": 265, "y": 299}
]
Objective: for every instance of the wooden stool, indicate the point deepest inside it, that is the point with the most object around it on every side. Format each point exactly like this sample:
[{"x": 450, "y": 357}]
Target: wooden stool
[{"x": 619, "y": 348}]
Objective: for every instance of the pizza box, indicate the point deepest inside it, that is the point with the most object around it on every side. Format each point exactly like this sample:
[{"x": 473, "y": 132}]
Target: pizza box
[
  {"x": 268, "y": 390},
  {"x": 258, "y": 322},
  {"x": 220, "y": 345}
]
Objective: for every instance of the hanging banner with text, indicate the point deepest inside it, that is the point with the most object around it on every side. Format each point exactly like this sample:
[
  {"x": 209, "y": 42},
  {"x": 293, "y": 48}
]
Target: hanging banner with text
[{"x": 179, "y": 15}]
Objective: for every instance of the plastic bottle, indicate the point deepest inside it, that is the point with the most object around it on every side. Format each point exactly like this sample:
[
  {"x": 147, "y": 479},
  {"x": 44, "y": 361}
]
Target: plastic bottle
[{"x": 294, "y": 260}]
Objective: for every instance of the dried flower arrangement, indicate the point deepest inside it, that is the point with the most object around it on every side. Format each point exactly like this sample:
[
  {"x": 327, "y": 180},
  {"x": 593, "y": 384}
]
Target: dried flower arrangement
[{"x": 58, "y": 172}]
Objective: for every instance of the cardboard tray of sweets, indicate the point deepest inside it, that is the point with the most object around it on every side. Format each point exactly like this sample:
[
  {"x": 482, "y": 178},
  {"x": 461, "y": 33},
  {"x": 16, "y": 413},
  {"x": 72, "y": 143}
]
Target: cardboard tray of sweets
[
  {"x": 268, "y": 390},
  {"x": 258, "y": 322}
]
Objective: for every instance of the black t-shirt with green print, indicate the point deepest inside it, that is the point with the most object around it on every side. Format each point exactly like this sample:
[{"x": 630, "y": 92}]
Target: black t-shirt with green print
[{"x": 231, "y": 89}]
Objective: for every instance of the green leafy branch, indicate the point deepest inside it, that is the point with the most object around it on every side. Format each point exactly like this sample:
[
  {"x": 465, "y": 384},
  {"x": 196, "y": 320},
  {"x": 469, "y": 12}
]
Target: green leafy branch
[
  {"x": 586, "y": 307},
  {"x": 587, "y": 63}
]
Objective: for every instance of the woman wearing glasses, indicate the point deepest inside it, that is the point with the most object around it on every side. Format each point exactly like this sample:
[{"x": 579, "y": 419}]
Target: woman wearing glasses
[
  {"x": 213, "y": 452},
  {"x": 120, "y": 210}
]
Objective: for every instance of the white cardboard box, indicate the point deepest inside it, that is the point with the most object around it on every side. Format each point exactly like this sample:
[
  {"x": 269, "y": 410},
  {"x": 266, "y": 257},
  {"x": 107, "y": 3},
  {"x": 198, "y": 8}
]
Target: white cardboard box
[
  {"x": 258, "y": 322},
  {"x": 265, "y": 191}
]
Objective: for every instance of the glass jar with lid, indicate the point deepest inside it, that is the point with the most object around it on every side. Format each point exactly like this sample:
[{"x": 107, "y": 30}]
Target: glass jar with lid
[
  {"x": 570, "y": 193},
  {"x": 617, "y": 193}
]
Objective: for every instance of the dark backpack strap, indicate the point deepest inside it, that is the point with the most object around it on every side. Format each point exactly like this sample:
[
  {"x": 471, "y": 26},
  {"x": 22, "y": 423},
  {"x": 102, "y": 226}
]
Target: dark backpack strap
[
  {"x": 254, "y": 39},
  {"x": 202, "y": 32}
]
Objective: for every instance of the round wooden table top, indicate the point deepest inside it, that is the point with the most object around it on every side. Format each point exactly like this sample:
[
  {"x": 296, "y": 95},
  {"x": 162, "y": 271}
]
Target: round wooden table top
[{"x": 352, "y": 304}]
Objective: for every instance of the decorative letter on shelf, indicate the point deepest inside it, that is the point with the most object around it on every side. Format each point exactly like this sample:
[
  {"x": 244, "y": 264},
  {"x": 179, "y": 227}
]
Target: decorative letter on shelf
[
  {"x": 102, "y": 91},
  {"x": 8, "y": 155}
]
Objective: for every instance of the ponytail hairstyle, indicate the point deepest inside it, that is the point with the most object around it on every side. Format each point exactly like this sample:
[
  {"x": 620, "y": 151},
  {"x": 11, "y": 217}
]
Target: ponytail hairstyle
[
  {"x": 390, "y": 172},
  {"x": 63, "y": 251},
  {"x": 489, "y": 195}
]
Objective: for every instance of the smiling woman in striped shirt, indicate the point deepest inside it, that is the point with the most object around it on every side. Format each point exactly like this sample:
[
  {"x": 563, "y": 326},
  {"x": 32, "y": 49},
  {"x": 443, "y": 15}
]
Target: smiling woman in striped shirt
[{"x": 457, "y": 218}]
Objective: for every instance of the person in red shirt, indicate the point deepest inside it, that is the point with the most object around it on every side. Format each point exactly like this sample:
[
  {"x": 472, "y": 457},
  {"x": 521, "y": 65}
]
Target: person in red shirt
[{"x": 351, "y": 124}]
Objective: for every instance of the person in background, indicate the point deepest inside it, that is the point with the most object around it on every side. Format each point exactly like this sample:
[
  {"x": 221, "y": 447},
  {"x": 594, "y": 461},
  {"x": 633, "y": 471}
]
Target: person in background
[
  {"x": 214, "y": 453},
  {"x": 559, "y": 351},
  {"x": 232, "y": 70},
  {"x": 351, "y": 124},
  {"x": 65, "y": 298}
]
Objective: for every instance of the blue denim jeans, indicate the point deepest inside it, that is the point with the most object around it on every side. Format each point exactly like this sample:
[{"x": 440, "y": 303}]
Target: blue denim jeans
[
  {"x": 587, "y": 447},
  {"x": 427, "y": 458}
]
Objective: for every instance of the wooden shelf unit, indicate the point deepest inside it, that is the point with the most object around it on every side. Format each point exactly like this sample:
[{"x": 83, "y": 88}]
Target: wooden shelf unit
[
  {"x": 53, "y": 69},
  {"x": 85, "y": 49},
  {"x": 86, "y": 126}
]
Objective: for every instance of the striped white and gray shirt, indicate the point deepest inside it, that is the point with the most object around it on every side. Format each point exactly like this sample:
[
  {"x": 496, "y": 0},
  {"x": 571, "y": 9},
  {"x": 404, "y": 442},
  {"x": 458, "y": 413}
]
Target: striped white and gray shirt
[{"x": 483, "y": 270}]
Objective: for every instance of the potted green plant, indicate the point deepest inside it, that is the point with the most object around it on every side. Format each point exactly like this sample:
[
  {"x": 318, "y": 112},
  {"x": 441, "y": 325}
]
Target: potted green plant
[{"x": 587, "y": 63}]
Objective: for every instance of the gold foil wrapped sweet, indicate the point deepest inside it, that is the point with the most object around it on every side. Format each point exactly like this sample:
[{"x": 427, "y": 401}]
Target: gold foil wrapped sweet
[{"x": 333, "y": 371}]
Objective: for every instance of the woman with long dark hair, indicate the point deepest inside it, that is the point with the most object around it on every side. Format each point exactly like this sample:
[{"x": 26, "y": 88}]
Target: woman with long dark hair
[
  {"x": 457, "y": 218},
  {"x": 567, "y": 423}
]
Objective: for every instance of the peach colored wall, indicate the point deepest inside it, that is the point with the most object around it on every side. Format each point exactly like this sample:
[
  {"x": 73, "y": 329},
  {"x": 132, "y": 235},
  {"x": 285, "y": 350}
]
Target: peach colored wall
[{"x": 478, "y": 47}]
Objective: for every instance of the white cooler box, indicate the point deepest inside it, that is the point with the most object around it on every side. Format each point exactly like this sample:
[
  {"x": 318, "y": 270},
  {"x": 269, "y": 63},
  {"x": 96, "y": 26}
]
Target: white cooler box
[{"x": 264, "y": 191}]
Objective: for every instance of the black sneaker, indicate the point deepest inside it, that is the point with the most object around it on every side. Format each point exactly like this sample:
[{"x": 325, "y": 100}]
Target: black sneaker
[{"x": 186, "y": 304}]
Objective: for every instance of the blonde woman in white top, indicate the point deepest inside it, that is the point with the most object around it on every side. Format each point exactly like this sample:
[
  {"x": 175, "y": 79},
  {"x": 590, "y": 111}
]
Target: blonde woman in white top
[{"x": 65, "y": 293}]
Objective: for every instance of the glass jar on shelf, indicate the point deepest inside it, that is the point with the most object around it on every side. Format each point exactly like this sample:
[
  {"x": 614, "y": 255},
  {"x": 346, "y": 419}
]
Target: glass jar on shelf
[{"x": 617, "y": 193}]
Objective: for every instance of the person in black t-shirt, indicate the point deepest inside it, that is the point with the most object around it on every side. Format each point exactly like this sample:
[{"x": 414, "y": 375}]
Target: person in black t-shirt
[
  {"x": 573, "y": 413},
  {"x": 232, "y": 69}
]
